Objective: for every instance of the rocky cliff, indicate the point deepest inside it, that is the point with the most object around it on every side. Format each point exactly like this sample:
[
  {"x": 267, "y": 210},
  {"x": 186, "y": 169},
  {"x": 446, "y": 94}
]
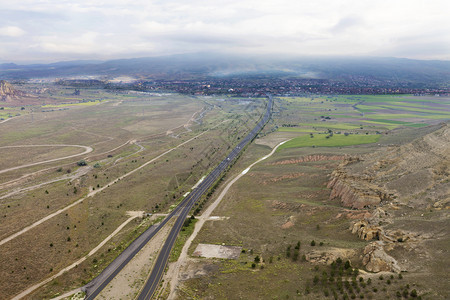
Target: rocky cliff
[
  {"x": 402, "y": 197},
  {"x": 7, "y": 92},
  {"x": 400, "y": 174}
]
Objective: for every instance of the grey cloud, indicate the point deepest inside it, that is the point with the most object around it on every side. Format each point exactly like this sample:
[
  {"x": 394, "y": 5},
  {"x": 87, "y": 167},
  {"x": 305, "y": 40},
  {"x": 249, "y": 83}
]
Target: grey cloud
[{"x": 346, "y": 23}]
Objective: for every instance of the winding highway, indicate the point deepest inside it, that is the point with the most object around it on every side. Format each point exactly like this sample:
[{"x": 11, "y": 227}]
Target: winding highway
[{"x": 93, "y": 288}]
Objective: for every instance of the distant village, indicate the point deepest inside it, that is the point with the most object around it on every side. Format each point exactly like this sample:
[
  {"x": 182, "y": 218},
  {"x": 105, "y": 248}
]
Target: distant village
[{"x": 253, "y": 87}]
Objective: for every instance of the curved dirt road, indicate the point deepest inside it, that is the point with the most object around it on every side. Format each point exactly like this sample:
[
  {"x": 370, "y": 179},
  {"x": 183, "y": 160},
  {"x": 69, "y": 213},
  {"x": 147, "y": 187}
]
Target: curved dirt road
[
  {"x": 92, "y": 193},
  {"x": 87, "y": 150},
  {"x": 133, "y": 215}
]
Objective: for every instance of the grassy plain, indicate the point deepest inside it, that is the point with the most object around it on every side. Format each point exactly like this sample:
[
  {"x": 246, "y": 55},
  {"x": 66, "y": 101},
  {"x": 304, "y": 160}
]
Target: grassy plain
[
  {"x": 128, "y": 130},
  {"x": 284, "y": 200},
  {"x": 154, "y": 124},
  {"x": 323, "y": 140},
  {"x": 360, "y": 113}
]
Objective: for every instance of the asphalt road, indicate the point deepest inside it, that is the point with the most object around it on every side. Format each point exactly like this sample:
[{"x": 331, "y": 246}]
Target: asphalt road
[
  {"x": 94, "y": 287},
  {"x": 160, "y": 264}
]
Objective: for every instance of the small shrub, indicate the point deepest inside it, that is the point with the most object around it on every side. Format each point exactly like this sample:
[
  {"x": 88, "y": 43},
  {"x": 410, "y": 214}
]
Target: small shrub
[
  {"x": 405, "y": 293},
  {"x": 313, "y": 243},
  {"x": 347, "y": 265},
  {"x": 413, "y": 293},
  {"x": 82, "y": 163}
]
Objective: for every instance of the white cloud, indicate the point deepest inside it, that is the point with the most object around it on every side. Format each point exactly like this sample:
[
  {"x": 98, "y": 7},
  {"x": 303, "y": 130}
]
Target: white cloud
[
  {"x": 11, "y": 31},
  {"x": 125, "y": 28}
]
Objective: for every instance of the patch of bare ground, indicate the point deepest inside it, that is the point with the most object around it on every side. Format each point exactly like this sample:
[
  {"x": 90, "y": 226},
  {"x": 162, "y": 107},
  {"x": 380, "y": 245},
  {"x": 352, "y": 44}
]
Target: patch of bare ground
[{"x": 217, "y": 251}]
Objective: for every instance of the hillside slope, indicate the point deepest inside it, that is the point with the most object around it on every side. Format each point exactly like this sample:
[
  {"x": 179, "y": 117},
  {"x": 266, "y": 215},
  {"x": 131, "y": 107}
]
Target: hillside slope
[{"x": 405, "y": 194}]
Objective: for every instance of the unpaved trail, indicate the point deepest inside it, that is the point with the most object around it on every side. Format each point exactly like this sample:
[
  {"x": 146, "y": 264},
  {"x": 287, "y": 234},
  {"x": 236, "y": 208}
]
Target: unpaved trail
[
  {"x": 9, "y": 119},
  {"x": 92, "y": 193},
  {"x": 80, "y": 172},
  {"x": 87, "y": 150},
  {"x": 133, "y": 215},
  {"x": 174, "y": 269}
]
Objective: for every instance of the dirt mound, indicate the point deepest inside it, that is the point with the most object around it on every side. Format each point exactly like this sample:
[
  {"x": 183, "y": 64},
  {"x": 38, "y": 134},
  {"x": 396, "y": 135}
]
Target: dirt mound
[{"x": 310, "y": 158}]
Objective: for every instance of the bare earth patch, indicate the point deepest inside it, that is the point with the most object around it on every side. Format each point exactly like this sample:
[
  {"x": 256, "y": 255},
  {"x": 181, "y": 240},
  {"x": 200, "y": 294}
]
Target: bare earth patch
[{"x": 217, "y": 251}]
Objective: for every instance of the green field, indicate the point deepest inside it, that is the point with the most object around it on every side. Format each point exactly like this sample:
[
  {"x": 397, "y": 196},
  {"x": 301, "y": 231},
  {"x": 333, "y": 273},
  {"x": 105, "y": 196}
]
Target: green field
[
  {"x": 88, "y": 103},
  {"x": 337, "y": 140}
]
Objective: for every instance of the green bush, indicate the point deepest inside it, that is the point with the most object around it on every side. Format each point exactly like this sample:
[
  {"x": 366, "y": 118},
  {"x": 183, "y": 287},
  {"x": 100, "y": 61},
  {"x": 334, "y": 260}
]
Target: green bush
[{"x": 82, "y": 163}]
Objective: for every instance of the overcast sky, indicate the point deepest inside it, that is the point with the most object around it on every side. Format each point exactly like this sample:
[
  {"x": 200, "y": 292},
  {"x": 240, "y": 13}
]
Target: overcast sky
[{"x": 55, "y": 30}]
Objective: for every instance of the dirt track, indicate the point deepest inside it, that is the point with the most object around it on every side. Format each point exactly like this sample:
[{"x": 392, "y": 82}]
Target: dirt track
[
  {"x": 92, "y": 193},
  {"x": 87, "y": 150},
  {"x": 133, "y": 215},
  {"x": 174, "y": 269}
]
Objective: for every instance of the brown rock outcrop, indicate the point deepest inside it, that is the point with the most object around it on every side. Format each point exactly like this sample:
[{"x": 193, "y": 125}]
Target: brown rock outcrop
[
  {"x": 329, "y": 255},
  {"x": 366, "y": 231},
  {"x": 377, "y": 260},
  {"x": 7, "y": 92},
  {"x": 355, "y": 190}
]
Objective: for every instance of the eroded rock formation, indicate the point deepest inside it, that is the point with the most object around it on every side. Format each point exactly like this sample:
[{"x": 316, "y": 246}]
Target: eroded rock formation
[
  {"x": 7, "y": 92},
  {"x": 375, "y": 259},
  {"x": 355, "y": 191}
]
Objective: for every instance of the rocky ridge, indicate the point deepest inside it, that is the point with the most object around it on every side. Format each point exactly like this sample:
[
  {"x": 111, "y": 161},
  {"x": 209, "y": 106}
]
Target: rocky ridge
[
  {"x": 382, "y": 188},
  {"x": 7, "y": 92}
]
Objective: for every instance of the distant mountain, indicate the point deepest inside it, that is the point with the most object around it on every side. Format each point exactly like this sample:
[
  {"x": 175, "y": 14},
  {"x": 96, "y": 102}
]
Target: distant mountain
[{"x": 201, "y": 65}]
